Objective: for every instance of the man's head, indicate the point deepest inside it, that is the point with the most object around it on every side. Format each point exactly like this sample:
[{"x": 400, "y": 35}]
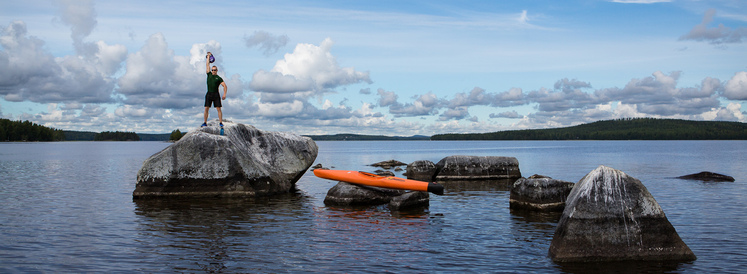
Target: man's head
[{"x": 214, "y": 70}]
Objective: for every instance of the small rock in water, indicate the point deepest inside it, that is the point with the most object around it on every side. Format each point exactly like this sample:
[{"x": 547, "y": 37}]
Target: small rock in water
[
  {"x": 540, "y": 193},
  {"x": 389, "y": 164},
  {"x": 410, "y": 200},
  {"x": 461, "y": 167},
  {"x": 708, "y": 177},
  {"x": 347, "y": 194},
  {"x": 384, "y": 173}
]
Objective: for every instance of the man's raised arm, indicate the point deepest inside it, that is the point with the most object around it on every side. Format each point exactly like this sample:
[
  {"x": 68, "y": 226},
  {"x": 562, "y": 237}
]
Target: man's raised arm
[{"x": 207, "y": 62}]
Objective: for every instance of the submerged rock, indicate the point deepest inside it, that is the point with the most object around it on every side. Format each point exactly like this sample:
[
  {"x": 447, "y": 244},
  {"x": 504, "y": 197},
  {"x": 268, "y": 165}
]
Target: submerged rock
[
  {"x": 610, "y": 216},
  {"x": 245, "y": 161},
  {"x": 472, "y": 168},
  {"x": 539, "y": 193},
  {"x": 347, "y": 194},
  {"x": 383, "y": 172},
  {"x": 708, "y": 177},
  {"x": 388, "y": 164}
]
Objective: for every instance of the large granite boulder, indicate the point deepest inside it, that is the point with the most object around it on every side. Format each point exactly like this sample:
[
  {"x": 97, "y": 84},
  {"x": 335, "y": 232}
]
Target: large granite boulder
[
  {"x": 539, "y": 193},
  {"x": 245, "y": 161},
  {"x": 610, "y": 216},
  {"x": 472, "y": 168},
  {"x": 347, "y": 194}
]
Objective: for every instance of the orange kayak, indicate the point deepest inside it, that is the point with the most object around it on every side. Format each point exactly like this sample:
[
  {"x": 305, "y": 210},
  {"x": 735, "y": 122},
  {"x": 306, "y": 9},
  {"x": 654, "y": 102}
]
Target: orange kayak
[{"x": 370, "y": 179}]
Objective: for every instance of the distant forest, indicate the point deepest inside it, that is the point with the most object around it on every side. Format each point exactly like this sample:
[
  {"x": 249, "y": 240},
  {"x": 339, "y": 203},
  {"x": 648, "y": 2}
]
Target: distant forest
[
  {"x": 356, "y": 137},
  {"x": 116, "y": 136},
  {"x": 621, "y": 129},
  {"x": 26, "y": 131},
  {"x": 14, "y": 131}
]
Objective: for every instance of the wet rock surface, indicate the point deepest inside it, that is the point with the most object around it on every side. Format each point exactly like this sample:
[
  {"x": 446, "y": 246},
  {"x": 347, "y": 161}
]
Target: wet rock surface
[
  {"x": 389, "y": 164},
  {"x": 421, "y": 170},
  {"x": 539, "y": 193},
  {"x": 477, "y": 168},
  {"x": 610, "y": 216},
  {"x": 245, "y": 161},
  {"x": 347, "y": 194},
  {"x": 708, "y": 177}
]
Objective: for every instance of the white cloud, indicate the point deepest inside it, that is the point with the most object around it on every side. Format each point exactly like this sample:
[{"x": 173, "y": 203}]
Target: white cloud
[
  {"x": 423, "y": 105},
  {"x": 198, "y": 52},
  {"x": 130, "y": 111},
  {"x": 276, "y": 82},
  {"x": 523, "y": 18},
  {"x": 33, "y": 74},
  {"x": 80, "y": 15},
  {"x": 156, "y": 77},
  {"x": 477, "y": 96},
  {"x": 269, "y": 43},
  {"x": 387, "y": 98},
  {"x": 506, "y": 114},
  {"x": 716, "y": 35},
  {"x": 457, "y": 113},
  {"x": 308, "y": 68},
  {"x": 736, "y": 88},
  {"x": 285, "y": 109}
]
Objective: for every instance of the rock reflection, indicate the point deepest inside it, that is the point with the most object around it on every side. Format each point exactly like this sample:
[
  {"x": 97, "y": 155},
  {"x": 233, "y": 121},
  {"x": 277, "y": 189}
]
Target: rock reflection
[
  {"x": 451, "y": 186},
  {"x": 623, "y": 267},
  {"x": 219, "y": 234},
  {"x": 534, "y": 229},
  {"x": 347, "y": 237},
  {"x": 534, "y": 217}
]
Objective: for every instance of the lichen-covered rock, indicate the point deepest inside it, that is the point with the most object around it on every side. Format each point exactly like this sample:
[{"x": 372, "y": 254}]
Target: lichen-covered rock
[
  {"x": 245, "y": 161},
  {"x": 610, "y": 216},
  {"x": 421, "y": 170},
  {"x": 539, "y": 193},
  {"x": 477, "y": 168}
]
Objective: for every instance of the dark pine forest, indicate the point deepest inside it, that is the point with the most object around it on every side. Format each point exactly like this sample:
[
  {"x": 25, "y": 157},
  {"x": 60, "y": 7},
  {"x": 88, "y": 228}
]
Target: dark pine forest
[{"x": 621, "y": 129}]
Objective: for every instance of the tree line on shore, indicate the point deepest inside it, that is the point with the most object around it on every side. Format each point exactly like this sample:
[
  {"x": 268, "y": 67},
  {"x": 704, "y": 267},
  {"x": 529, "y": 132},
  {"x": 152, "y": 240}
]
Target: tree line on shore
[
  {"x": 13, "y": 131},
  {"x": 620, "y": 129},
  {"x": 116, "y": 136},
  {"x": 26, "y": 131}
]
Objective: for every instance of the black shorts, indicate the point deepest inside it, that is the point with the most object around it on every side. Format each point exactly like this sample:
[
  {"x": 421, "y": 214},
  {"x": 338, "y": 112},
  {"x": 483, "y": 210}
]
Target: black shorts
[{"x": 214, "y": 98}]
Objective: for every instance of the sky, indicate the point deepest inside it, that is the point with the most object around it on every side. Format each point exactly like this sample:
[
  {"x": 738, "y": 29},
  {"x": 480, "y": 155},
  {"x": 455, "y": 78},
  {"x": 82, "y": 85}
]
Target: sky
[{"x": 395, "y": 68}]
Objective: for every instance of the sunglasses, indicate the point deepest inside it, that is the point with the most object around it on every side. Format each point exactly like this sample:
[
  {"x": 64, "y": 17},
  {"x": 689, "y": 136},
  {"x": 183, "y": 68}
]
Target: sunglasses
[{"x": 215, "y": 70}]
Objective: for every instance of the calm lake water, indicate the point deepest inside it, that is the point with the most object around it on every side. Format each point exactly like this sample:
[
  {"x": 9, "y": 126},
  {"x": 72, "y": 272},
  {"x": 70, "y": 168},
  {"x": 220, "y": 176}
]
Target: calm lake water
[{"x": 68, "y": 207}]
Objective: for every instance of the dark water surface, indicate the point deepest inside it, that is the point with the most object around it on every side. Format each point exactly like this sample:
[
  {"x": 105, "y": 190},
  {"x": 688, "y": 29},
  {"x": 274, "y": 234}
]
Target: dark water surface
[{"x": 68, "y": 207}]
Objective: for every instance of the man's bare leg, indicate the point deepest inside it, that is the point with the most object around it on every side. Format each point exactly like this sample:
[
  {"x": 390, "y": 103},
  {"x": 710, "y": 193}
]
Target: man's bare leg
[
  {"x": 220, "y": 115},
  {"x": 206, "y": 114}
]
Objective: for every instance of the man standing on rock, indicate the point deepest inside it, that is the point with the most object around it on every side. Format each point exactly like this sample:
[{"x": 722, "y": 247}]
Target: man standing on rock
[{"x": 213, "y": 94}]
